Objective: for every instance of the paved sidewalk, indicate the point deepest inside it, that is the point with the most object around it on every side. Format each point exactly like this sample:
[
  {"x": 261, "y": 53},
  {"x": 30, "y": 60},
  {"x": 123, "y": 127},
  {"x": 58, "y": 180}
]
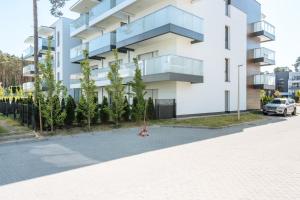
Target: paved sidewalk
[{"x": 238, "y": 163}]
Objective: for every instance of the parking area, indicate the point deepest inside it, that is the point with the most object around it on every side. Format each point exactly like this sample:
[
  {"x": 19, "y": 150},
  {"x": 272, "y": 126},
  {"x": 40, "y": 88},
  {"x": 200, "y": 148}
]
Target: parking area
[{"x": 253, "y": 161}]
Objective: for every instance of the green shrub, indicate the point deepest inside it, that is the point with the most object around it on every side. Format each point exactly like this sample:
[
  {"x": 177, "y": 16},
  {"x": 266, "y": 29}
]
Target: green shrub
[
  {"x": 81, "y": 108},
  {"x": 127, "y": 110},
  {"x": 150, "y": 109},
  {"x": 70, "y": 111},
  {"x": 104, "y": 113},
  {"x": 95, "y": 118}
]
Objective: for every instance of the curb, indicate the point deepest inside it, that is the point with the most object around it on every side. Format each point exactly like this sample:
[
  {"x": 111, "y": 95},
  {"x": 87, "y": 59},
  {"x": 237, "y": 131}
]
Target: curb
[{"x": 215, "y": 128}]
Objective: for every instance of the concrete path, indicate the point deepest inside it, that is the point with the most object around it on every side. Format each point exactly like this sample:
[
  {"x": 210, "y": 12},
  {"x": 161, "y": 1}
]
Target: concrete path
[{"x": 258, "y": 161}]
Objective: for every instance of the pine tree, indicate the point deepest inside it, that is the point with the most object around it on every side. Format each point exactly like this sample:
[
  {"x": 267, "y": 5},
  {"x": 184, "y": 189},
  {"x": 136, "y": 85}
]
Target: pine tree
[
  {"x": 138, "y": 89},
  {"x": 70, "y": 111},
  {"x": 104, "y": 113},
  {"x": 150, "y": 109},
  {"x": 88, "y": 89},
  {"x": 116, "y": 90},
  {"x": 127, "y": 110}
]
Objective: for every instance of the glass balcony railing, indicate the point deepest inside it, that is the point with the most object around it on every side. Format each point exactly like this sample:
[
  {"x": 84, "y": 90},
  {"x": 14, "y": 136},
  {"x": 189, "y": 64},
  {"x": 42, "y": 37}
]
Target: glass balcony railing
[
  {"x": 264, "y": 79},
  {"x": 264, "y": 53},
  {"x": 28, "y": 87},
  {"x": 43, "y": 44},
  {"x": 28, "y": 52},
  {"x": 167, "y": 15},
  {"x": 264, "y": 26},
  {"x": 159, "y": 65},
  {"x": 82, "y": 21},
  {"x": 101, "y": 8},
  {"x": 78, "y": 50},
  {"x": 28, "y": 70},
  {"x": 105, "y": 40}
]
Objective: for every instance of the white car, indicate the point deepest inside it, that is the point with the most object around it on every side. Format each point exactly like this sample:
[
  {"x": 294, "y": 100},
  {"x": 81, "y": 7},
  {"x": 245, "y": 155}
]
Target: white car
[{"x": 282, "y": 106}]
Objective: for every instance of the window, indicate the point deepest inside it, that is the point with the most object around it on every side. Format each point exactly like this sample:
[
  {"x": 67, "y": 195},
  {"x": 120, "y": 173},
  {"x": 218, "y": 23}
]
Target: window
[
  {"x": 58, "y": 76},
  {"x": 227, "y": 70},
  {"x": 57, "y": 39},
  {"x": 227, "y": 7},
  {"x": 227, "y": 101},
  {"x": 227, "y": 37},
  {"x": 58, "y": 59}
]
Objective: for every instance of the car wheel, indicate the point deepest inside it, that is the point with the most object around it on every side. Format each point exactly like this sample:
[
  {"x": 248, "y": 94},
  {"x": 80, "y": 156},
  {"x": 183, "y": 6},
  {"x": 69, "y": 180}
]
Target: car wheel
[
  {"x": 285, "y": 113},
  {"x": 295, "y": 111},
  {"x": 265, "y": 113}
]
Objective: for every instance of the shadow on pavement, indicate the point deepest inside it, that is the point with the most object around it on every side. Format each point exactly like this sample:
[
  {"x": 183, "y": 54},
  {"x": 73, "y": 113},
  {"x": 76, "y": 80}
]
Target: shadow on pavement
[{"x": 29, "y": 160}]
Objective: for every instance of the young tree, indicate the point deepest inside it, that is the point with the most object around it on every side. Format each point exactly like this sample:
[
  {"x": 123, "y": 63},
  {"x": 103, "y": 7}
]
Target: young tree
[
  {"x": 116, "y": 90},
  {"x": 104, "y": 113},
  {"x": 150, "y": 109},
  {"x": 70, "y": 111},
  {"x": 51, "y": 109},
  {"x": 127, "y": 110},
  {"x": 56, "y": 5},
  {"x": 88, "y": 89},
  {"x": 138, "y": 89}
]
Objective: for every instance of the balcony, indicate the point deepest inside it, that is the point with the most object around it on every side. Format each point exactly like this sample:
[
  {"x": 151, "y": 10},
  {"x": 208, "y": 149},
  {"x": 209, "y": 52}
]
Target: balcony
[
  {"x": 83, "y": 6},
  {"x": 163, "y": 68},
  {"x": 79, "y": 26},
  {"x": 262, "y": 56},
  {"x": 263, "y": 30},
  {"x": 28, "y": 87},
  {"x": 100, "y": 9},
  {"x": 76, "y": 53},
  {"x": 29, "y": 70},
  {"x": 101, "y": 45},
  {"x": 263, "y": 81},
  {"x": 43, "y": 47},
  {"x": 166, "y": 20}
]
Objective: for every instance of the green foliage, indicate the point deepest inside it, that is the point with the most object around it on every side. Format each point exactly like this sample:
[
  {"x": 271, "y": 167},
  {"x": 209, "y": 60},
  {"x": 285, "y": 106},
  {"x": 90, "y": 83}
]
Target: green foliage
[
  {"x": 134, "y": 108},
  {"x": 88, "y": 89},
  {"x": 127, "y": 110},
  {"x": 277, "y": 94},
  {"x": 266, "y": 99},
  {"x": 96, "y": 116},
  {"x": 70, "y": 111},
  {"x": 297, "y": 96},
  {"x": 57, "y": 5},
  {"x": 138, "y": 89},
  {"x": 80, "y": 111},
  {"x": 151, "y": 109},
  {"x": 116, "y": 91},
  {"x": 104, "y": 113},
  {"x": 51, "y": 109}
]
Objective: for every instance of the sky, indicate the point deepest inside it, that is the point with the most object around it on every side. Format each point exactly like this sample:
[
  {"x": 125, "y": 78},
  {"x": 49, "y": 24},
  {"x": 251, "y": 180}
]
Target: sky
[{"x": 16, "y": 24}]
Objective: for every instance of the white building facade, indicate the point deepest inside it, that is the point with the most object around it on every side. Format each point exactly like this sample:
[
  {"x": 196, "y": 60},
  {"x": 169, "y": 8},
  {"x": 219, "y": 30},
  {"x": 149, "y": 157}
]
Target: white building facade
[
  {"x": 61, "y": 43},
  {"x": 189, "y": 51}
]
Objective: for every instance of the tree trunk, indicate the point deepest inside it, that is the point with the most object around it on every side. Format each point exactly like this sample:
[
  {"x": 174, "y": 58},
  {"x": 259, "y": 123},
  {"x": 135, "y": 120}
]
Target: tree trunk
[{"x": 36, "y": 59}]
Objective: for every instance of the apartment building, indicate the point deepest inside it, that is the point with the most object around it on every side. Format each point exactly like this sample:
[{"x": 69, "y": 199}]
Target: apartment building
[
  {"x": 190, "y": 51},
  {"x": 61, "y": 44},
  {"x": 288, "y": 83}
]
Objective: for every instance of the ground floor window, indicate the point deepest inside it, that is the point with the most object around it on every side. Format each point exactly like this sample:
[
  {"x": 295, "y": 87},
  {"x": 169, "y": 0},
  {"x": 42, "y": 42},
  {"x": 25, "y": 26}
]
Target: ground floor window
[{"x": 227, "y": 101}]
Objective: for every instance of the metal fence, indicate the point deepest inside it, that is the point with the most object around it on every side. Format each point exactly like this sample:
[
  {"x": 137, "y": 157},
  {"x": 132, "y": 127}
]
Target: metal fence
[
  {"x": 24, "y": 113},
  {"x": 165, "y": 108}
]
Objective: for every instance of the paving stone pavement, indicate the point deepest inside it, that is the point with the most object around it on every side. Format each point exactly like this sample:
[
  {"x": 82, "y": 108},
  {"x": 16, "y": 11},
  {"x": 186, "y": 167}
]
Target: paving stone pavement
[{"x": 250, "y": 162}]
